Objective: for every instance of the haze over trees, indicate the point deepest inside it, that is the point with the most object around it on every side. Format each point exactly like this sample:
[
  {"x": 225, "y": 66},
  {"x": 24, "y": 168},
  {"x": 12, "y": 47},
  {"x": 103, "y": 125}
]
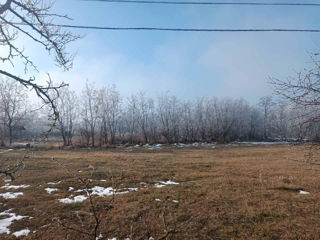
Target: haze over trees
[{"x": 101, "y": 116}]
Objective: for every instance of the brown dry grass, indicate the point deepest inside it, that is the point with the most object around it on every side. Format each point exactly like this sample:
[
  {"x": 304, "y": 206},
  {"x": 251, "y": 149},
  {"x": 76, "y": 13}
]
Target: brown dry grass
[{"x": 224, "y": 193}]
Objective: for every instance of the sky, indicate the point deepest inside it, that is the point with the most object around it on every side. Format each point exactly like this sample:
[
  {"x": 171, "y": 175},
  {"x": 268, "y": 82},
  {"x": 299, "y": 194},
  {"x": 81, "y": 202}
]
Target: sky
[{"x": 187, "y": 65}]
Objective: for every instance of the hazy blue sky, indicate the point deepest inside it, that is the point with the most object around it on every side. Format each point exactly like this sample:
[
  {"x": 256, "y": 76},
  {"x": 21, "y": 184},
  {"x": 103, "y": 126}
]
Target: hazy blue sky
[{"x": 188, "y": 65}]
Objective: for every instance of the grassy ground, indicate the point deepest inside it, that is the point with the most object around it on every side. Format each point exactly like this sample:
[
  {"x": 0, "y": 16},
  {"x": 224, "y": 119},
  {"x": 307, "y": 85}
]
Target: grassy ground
[{"x": 224, "y": 193}]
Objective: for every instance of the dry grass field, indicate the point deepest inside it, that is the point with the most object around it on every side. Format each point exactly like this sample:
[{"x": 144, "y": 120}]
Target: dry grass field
[{"x": 223, "y": 193}]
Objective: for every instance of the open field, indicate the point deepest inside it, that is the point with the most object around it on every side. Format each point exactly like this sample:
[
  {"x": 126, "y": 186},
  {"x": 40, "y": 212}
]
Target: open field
[{"x": 223, "y": 193}]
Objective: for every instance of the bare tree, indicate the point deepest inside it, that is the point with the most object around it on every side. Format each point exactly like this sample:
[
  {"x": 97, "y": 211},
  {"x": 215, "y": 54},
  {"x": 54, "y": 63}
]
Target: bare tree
[
  {"x": 266, "y": 103},
  {"x": 68, "y": 111},
  {"x": 90, "y": 112},
  {"x": 13, "y": 105},
  {"x": 35, "y": 20},
  {"x": 303, "y": 91},
  {"x": 113, "y": 111}
]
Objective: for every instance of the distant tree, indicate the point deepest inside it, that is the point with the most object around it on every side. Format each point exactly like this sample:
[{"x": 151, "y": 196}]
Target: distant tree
[
  {"x": 13, "y": 104},
  {"x": 90, "y": 112},
  {"x": 67, "y": 105},
  {"x": 266, "y": 103}
]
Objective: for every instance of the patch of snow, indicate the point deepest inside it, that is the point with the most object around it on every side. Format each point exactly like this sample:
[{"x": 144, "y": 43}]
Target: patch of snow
[
  {"x": 175, "y": 201},
  {"x": 6, "y": 222},
  {"x": 54, "y": 183},
  {"x": 71, "y": 189},
  {"x": 151, "y": 238},
  {"x": 158, "y": 200},
  {"x": 6, "y": 150},
  {"x": 11, "y": 195},
  {"x": 23, "y": 232},
  {"x": 8, "y": 186},
  {"x": 99, "y": 237},
  {"x": 101, "y": 191},
  {"x": 79, "y": 190},
  {"x": 158, "y": 185},
  {"x": 169, "y": 182},
  {"x": 103, "y": 180},
  {"x": 133, "y": 189},
  {"x": 51, "y": 190},
  {"x": 163, "y": 184},
  {"x": 76, "y": 199},
  {"x": 262, "y": 143},
  {"x": 303, "y": 192}
]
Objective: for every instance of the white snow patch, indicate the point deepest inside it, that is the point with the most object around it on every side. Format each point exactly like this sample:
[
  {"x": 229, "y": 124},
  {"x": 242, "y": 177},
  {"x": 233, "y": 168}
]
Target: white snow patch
[
  {"x": 158, "y": 200},
  {"x": 162, "y": 184},
  {"x": 133, "y": 189},
  {"x": 23, "y": 232},
  {"x": 76, "y": 199},
  {"x": 175, "y": 201},
  {"x": 6, "y": 222},
  {"x": 54, "y": 183},
  {"x": 71, "y": 189},
  {"x": 11, "y": 195},
  {"x": 51, "y": 190},
  {"x": 6, "y": 150},
  {"x": 99, "y": 237},
  {"x": 103, "y": 180},
  {"x": 262, "y": 143},
  {"x": 170, "y": 183},
  {"x": 8, "y": 186},
  {"x": 101, "y": 191},
  {"x": 303, "y": 192}
]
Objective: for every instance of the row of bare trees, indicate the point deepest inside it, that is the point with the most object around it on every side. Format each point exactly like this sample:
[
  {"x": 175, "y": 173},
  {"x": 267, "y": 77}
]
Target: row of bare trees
[{"x": 101, "y": 116}]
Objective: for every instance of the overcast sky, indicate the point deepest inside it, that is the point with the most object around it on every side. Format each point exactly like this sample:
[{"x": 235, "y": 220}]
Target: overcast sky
[{"x": 188, "y": 65}]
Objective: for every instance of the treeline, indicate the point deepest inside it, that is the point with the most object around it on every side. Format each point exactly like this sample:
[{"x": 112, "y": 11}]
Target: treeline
[{"x": 101, "y": 116}]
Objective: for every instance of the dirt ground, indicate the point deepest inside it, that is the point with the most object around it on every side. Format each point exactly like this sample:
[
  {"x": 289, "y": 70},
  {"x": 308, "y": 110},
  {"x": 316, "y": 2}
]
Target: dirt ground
[{"x": 228, "y": 192}]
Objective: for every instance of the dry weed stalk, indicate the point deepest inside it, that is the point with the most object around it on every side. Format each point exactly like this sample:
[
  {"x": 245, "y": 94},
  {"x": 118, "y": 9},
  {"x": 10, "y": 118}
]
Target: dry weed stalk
[
  {"x": 11, "y": 170},
  {"x": 98, "y": 216}
]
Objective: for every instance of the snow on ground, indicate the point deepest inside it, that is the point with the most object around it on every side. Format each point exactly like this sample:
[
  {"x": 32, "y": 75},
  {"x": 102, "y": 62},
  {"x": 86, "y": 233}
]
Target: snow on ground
[
  {"x": 163, "y": 184},
  {"x": 51, "y": 190},
  {"x": 23, "y": 232},
  {"x": 54, "y": 183},
  {"x": 8, "y": 186},
  {"x": 261, "y": 143},
  {"x": 11, "y": 195},
  {"x": 303, "y": 192},
  {"x": 175, "y": 201},
  {"x": 6, "y": 222},
  {"x": 76, "y": 199},
  {"x": 5, "y": 150},
  {"x": 102, "y": 192},
  {"x": 108, "y": 191}
]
